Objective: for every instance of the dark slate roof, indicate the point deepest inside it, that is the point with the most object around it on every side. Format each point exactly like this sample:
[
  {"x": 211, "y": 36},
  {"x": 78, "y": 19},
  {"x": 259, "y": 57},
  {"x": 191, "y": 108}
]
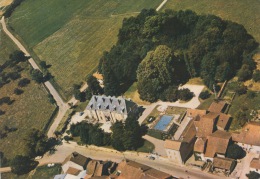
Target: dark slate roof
[{"x": 108, "y": 103}]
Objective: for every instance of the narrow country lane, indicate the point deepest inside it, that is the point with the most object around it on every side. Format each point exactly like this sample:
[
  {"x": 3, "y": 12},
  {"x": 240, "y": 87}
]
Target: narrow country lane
[
  {"x": 161, "y": 5},
  {"x": 51, "y": 89}
]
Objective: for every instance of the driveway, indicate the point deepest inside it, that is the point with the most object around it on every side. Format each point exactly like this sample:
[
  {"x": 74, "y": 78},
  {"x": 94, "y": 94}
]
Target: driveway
[
  {"x": 158, "y": 144},
  {"x": 193, "y": 103}
]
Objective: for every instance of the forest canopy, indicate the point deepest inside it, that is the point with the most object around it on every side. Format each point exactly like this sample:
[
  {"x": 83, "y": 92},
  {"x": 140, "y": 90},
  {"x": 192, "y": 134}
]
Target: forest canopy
[{"x": 176, "y": 46}]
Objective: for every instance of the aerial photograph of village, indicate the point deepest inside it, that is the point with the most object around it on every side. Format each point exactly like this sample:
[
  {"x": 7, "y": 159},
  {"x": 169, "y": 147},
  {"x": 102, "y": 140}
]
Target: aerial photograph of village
[{"x": 129, "y": 89}]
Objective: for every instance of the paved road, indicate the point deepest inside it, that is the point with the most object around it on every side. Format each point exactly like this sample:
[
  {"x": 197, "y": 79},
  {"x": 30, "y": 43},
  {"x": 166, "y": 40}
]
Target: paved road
[
  {"x": 100, "y": 153},
  {"x": 62, "y": 112},
  {"x": 108, "y": 154}
]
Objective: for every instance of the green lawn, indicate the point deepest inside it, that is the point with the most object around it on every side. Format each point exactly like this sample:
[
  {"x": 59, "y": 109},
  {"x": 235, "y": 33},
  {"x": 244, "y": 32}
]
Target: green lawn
[
  {"x": 72, "y": 35},
  {"x": 42, "y": 172},
  {"x": 207, "y": 102},
  {"x": 243, "y": 104},
  {"x": 148, "y": 147},
  {"x": 132, "y": 93},
  {"x": 31, "y": 109},
  {"x": 6, "y": 47},
  {"x": 244, "y": 12}
]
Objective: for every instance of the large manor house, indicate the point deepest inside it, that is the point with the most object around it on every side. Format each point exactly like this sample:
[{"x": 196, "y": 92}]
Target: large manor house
[{"x": 107, "y": 108}]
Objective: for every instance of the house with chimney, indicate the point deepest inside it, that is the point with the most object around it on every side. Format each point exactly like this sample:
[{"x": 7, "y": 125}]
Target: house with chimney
[
  {"x": 249, "y": 137},
  {"x": 107, "y": 108}
]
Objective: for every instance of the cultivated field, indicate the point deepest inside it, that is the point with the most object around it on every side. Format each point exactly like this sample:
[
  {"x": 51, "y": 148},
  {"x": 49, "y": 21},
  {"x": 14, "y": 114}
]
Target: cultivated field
[
  {"x": 42, "y": 172},
  {"x": 31, "y": 109},
  {"x": 241, "y": 11},
  {"x": 72, "y": 35}
]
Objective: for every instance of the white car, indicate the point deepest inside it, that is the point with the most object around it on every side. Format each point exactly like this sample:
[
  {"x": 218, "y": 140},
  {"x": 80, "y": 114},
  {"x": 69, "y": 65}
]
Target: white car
[
  {"x": 50, "y": 164},
  {"x": 38, "y": 157}
]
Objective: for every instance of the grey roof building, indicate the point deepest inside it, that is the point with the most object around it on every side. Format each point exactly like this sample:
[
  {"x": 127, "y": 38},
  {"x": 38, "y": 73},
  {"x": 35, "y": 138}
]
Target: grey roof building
[{"x": 107, "y": 108}]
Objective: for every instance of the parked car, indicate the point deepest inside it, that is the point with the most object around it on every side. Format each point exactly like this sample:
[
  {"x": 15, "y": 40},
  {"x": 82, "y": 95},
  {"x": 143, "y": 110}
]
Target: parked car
[
  {"x": 38, "y": 157},
  {"x": 50, "y": 164},
  {"x": 81, "y": 113},
  {"x": 151, "y": 119},
  {"x": 152, "y": 158}
]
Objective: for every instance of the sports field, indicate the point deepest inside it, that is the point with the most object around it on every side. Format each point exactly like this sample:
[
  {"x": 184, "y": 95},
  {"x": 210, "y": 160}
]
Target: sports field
[
  {"x": 245, "y": 12},
  {"x": 72, "y": 35},
  {"x": 31, "y": 109}
]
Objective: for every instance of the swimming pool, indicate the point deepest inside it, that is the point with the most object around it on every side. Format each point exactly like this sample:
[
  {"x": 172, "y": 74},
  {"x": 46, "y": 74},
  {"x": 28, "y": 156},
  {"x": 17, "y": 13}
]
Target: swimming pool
[{"x": 163, "y": 122}]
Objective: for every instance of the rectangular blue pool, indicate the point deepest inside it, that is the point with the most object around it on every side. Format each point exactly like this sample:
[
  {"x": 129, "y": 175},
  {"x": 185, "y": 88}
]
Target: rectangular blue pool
[{"x": 163, "y": 122}]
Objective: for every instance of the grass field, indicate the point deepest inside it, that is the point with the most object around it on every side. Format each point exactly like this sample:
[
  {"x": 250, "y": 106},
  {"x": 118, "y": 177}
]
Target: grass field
[
  {"x": 134, "y": 95},
  {"x": 72, "y": 35},
  {"x": 29, "y": 110},
  {"x": 6, "y": 47},
  {"x": 244, "y": 12},
  {"x": 42, "y": 172}
]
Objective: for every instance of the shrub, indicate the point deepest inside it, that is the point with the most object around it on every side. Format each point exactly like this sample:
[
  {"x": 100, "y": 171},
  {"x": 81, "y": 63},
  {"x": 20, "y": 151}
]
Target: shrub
[
  {"x": 6, "y": 100},
  {"x": 251, "y": 94},
  {"x": 244, "y": 73},
  {"x": 242, "y": 89},
  {"x": 18, "y": 91},
  {"x": 23, "y": 82},
  {"x": 204, "y": 95},
  {"x": 185, "y": 94},
  {"x": 14, "y": 75},
  {"x": 1, "y": 113},
  {"x": 256, "y": 76},
  {"x": 37, "y": 76}
]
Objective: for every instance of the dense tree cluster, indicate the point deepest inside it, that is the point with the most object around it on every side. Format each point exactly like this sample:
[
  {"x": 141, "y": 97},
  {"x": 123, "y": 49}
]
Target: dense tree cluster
[
  {"x": 253, "y": 175},
  {"x": 126, "y": 136},
  {"x": 3, "y": 159},
  {"x": 90, "y": 134},
  {"x": 93, "y": 85},
  {"x": 197, "y": 45},
  {"x": 204, "y": 95},
  {"x": 38, "y": 143},
  {"x": 10, "y": 9},
  {"x": 22, "y": 164},
  {"x": 234, "y": 151}
]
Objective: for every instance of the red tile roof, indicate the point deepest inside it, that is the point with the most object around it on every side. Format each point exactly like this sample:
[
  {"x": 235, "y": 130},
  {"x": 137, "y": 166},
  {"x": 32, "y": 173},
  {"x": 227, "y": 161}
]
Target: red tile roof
[
  {"x": 255, "y": 163},
  {"x": 134, "y": 170},
  {"x": 250, "y": 134},
  {"x": 206, "y": 124},
  {"x": 223, "y": 120},
  {"x": 217, "y": 106},
  {"x": 217, "y": 143},
  {"x": 172, "y": 144},
  {"x": 73, "y": 171},
  {"x": 199, "y": 145}
]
